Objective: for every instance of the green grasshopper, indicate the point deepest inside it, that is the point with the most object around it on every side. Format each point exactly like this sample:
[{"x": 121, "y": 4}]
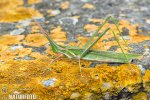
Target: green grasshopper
[{"x": 86, "y": 53}]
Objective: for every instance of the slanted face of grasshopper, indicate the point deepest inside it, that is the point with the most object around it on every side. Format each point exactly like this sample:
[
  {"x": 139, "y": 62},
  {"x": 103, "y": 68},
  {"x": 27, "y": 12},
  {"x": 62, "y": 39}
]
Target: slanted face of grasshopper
[{"x": 86, "y": 53}]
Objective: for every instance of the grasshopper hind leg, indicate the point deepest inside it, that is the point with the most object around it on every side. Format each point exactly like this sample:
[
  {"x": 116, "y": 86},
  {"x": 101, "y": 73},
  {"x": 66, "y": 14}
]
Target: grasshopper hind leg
[
  {"x": 52, "y": 61},
  {"x": 57, "y": 58}
]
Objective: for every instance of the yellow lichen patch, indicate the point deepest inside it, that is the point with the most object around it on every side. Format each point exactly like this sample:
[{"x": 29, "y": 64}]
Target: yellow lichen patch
[
  {"x": 95, "y": 20},
  {"x": 102, "y": 78},
  {"x": 13, "y": 12},
  {"x": 125, "y": 49},
  {"x": 23, "y": 52},
  {"x": 36, "y": 40},
  {"x": 34, "y": 1},
  {"x": 146, "y": 81},
  {"x": 88, "y": 6},
  {"x": 90, "y": 27},
  {"x": 35, "y": 29},
  {"x": 10, "y": 40},
  {"x": 57, "y": 34},
  {"x": 77, "y": 17},
  {"x": 140, "y": 96},
  {"x": 132, "y": 28},
  {"x": 50, "y": 52},
  {"x": 19, "y": 14},
  {"x": 6, "y": 54},
  {"x": 82, "y": 40},
  {"x": 125, "y": 75},
  {"x": 93, "y": 27},
  {"x": 139, "y": 38},
  {"x": 4, "y": 67},
  {"x": 39, "y": 56},
  {"x": 9, "y": 4},
  {"x": 65, "y": 5},
  {"x": 120, "y": 76},
  {"x": 124, "y": 22}
]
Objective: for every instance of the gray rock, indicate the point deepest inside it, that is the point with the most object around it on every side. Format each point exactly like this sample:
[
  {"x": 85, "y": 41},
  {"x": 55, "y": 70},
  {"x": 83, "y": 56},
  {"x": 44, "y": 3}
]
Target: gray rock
[
  {"x": 144, "y": 8},
  {"x": 125, "y": 31},
  {"x": 125, "y": 37},
  {"x": 15, "y": 47},
  {"x": 75, "y": 95},
  {"x": 27, "y": 57},
  {"x": 6, "y": 28},
  {"x": 24, "y": 23},
  {"x": 17, "y": 31},
  {"x": 49, "y": 82},
  {"x": 107, "y": 96},
  {"x": 148, "y": 21},
  {"x": 55, "y": 12},
  {"x": 40, "y": 19},
  {"x": 137, "y": 48},
  {"x": 85, "y": 0},
  {"x": 68, "y": 21},
  {"x": 142, "y": 69},
  {"x": 106, "y": 85},
  {"x": 146, "y": 58}
]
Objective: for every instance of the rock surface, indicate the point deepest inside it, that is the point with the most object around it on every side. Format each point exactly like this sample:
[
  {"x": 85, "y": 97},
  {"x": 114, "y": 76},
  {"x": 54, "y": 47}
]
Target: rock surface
[{"x": 25, "y": 55}]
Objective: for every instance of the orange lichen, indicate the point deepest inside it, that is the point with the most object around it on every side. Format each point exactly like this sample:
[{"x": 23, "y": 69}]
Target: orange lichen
[
  {"x": 35, "y": 29},
  {"x": 13, "y": 12},
  {"x": 77, "y": 17},
  {"x": 19, "y": 14},
  {"x": 36, "y": 40},
  {"x": 124, "y": 22},
  {"x": 132, "y": 28},
  {"x": 90, "y": 27},
  {"x": 38, "y": 56},
  {"x": 34, "y": 1},
  {"x": 57, "y": 34},
  {"x": 65, "y": 5},
  {"x": 88, "y": 6},
  {"x": 10, "y": 40},
  {"x": 93, "y": 27},
  {"x": 139, "y": 38},
  {"x": 6, "y": 54},
  {"x": 8, "y": 4},
  {"x": 146, "y": 81},
  {"x": 95, "y": 20},
  {"x": 23, "y": 52}
]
